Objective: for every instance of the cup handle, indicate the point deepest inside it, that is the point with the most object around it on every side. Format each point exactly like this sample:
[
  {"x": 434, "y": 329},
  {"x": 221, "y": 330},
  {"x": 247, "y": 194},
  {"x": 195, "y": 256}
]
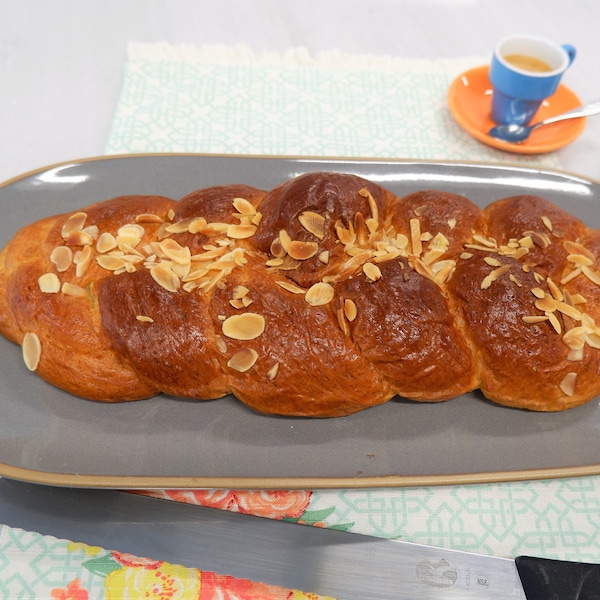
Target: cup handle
[{"x": 570, "y": 50}]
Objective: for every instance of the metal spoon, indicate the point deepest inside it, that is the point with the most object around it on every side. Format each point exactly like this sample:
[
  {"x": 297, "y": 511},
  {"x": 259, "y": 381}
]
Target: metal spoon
[{"x": 515, "y": 134}]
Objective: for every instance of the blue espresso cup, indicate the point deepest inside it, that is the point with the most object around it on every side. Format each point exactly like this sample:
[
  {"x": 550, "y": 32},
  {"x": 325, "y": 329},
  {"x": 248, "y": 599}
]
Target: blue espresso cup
[{"x": 525, "y": 70}]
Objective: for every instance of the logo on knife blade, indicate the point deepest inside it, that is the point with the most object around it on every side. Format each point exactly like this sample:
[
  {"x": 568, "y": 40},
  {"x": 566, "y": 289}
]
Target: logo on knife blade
[{"x": 441, "y": 573}]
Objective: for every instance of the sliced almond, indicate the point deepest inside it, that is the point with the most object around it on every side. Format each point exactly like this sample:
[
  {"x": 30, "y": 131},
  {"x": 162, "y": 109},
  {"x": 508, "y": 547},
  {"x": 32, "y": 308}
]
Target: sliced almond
[
  {"x": 165, "y": 277},
  {"x": 239, "y": 291},
  {"x": 580, "y": 260},
  {"x": 493, "y": 262},
  {"x": 593, "y": 340},
  {"x": 555, "y": 290},
  {"x": 79, "y": 238},
  {"x": 324, "y": 257},
  {"x": 92, "y": 231},
  {"x": 290, "y": 287},
  {"x": 443, "y": 270},
  {"x": 176, "y": 252},
  {"x": 567, "y": 385},
  {"x": 515, "y": 280},
  {"x": 541, "y": 240},
  {"x": 346, "y": 235},
  {"x": 342, "y": 322},
  {"x": 362, "y": 232},
  {"x": 319, "y": 294},
  {"x": 110, "y": 263},
  {"x": 302, "y": 250},
  {"x": 241, "y": 232},
  {"x": 247, "y": 326},
  {"x": 575, "y": 299},
  {"x": 183, "y": 225},
  {"x": 568, "y": 310},
  {"x": 289, "y": 264},
  {"x": 274, "y": 262},
  {"x": 372, "y": 225},
  {"x": 209, "y": 255},
  {"x": 546, "y": 304},
  {"x": 62, "y": 258},
  {"x": 415, "y": 237},
  {"x": 313, "y": 223},
  {"x": 244, "y": 207},
  {"x": 575, "y": 355},
  {"x": 144, "y": 319},
  {"x": 272, "y": 372},
  {"x": 572, "y": 275},
  {"x": 526, "y": 242},
  {"x": 547, "y": 222},
  {"x": 284, "y": 239},
  {"x": 277, "y": 249},
  {"x": 49, "y": 283},
  {"x": 130, "y": 234},
  {"x": 75, "y": 222},
  {"x": 372, "y": 271},
  {"x": 593, "y": 276},
  {"x": 365, "y": 193},
  {"x": 32, "y": 350},
  {"x": 577, "y": 248},
  {"x": 484, "y": 241},
  {"x": 533, "y": 319},
  {"x": 106, "y": 242},
  {"x": 220, "y": 344},
  {"x": 148, "y": 218},
  {"x": 83, "y": 260},
  {"x": 575, "y": 338},
  {"x": 350, "y": 309},
  {"x": 72, "y": 289},
  {"x": 494, "y": 276},
  {"x": 553, "y": 319},
  {"x": 243, "y": 360}
]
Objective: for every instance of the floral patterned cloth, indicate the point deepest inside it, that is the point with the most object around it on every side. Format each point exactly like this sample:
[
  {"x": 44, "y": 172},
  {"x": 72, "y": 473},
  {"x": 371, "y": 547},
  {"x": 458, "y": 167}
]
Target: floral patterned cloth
[{"x": 47, "y": 568}]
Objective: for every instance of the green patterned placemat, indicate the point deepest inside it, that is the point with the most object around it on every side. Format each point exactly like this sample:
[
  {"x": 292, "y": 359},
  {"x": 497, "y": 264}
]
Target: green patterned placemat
[{"x": 232, "y": 101}]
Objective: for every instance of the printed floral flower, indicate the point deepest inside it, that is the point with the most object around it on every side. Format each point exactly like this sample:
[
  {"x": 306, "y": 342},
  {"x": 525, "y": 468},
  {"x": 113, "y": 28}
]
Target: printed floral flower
[
  {"x": 166, "y": 582},
  {"x": 74, "y": 591},
  {"x": 224, "y": 587},
  {"x": 275, "y": 504}
]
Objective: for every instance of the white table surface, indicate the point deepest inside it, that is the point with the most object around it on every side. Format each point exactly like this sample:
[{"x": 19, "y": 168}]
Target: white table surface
[{"x": 61, "y": 61}]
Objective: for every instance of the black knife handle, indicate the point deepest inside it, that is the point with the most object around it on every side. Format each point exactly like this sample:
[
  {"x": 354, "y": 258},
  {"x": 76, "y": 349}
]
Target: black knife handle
[{"x": 547, "y": 579}]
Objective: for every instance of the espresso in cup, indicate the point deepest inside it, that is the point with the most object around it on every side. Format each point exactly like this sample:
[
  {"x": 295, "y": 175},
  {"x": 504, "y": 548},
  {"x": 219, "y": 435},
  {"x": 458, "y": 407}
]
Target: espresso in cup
[
  {"x": 525, "y": 70},
  {"x": 528, "y": 63}
]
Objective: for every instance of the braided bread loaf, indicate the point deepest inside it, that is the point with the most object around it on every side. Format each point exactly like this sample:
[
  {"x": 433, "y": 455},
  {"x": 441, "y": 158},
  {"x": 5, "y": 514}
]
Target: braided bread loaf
[{"x": 322, "y": 297}]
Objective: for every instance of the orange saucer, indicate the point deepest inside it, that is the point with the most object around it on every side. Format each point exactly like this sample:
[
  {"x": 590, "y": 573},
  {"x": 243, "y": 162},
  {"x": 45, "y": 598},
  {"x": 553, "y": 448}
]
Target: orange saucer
[{"x": 470, "y": 100}]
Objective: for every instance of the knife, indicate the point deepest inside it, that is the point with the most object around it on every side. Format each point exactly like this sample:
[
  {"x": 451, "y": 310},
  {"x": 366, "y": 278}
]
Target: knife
[{"x": 323, "y": 561}]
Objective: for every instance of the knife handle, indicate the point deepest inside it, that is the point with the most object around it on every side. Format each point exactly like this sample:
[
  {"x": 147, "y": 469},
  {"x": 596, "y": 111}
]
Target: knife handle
[{"x": 548, "y": 579}]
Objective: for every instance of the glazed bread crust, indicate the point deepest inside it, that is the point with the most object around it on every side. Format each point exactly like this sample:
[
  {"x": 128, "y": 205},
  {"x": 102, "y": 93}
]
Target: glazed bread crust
[{"x": 321, "y": 297}]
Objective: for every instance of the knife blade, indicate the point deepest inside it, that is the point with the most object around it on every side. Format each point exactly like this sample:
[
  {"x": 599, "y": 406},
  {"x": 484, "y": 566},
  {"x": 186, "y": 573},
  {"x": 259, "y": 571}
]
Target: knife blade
[{"x": 323, "y": 561}]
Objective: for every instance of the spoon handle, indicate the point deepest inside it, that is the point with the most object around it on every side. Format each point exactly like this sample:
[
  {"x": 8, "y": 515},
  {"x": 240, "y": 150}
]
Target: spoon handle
[{"x": 587, "y": 110}]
